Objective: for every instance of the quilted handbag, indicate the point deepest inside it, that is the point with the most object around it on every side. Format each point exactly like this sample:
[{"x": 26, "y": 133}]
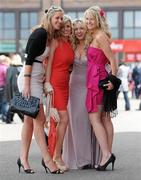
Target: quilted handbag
[{"x": 27, "y": 106}]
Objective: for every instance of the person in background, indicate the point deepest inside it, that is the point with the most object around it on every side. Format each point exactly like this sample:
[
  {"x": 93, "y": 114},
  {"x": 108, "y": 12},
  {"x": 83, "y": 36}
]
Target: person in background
[
  {"x": 30, "y": 83},
  {"x": 80, "y": 149},
  {"x": 139, "y": 85},
  {"x": 123, "y": 74},
  {"x": 57, "y": 79},
  {"x": 136, "y": 75},
  {"x": 99, "y": 53},
  {"x": 11, "y": 87},
  {"x": 3, "y": 103}
]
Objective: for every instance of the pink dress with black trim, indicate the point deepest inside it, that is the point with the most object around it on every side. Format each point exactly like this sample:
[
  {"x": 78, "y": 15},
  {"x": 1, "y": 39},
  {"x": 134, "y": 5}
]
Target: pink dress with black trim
[{"x": 95, "y": 72}]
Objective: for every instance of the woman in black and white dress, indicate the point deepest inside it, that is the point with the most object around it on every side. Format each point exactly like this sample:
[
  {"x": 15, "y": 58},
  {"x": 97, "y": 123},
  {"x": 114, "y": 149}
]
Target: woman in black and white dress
[{"x": 30, "y": 83}]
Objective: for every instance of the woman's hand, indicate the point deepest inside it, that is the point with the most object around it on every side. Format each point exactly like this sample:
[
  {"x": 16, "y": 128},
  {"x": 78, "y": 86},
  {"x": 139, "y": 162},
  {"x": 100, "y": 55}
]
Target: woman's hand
[
  {"x": 48, "y": 89},
  {"x": 26, "y": 92},
  {"x": 109, "y": 86}
]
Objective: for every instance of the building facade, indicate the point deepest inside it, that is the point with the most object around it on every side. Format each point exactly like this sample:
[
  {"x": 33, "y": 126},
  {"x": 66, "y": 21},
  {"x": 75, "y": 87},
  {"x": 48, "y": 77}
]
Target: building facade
[
  {"x": 124, "y": 18},
  {"x": 17, "y": 17}
]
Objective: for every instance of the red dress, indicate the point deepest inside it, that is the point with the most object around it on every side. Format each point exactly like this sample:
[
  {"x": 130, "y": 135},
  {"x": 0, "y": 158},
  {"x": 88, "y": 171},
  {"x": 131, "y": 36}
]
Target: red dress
[{"x": 63, "y": 59}]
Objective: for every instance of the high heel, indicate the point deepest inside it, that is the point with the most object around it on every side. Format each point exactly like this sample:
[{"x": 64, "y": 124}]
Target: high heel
[
  {"x": 28, "y": 171},
  {"x": 110, "y": 160},
  {"x": 63, "y": 168},
  {"x": 58, "y": 171}
]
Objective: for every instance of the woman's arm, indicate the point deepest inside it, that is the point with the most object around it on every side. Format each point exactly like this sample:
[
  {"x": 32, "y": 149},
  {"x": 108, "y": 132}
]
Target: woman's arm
[
  {"x": 53, "y": 46},
  {"x": 27, "y": 77},
  {"x": 35, "y": 46},
  {"x": 104, "y": 44}
]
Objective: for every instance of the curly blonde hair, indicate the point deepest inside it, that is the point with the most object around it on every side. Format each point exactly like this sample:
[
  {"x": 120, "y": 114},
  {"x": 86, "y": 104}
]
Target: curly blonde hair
[
  {"x": 46, "y": 22},
  {"x": 66, "y": 19},
  {"x": 99, "y": 16},
  {"x": 87, "y": 38}
]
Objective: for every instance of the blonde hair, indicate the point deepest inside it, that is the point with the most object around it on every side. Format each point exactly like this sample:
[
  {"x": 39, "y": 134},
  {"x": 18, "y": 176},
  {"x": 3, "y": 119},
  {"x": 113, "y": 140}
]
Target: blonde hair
[
  {"x": 4, "y": 60},
  {"x": 100, "y": 18},
  {"x": 67, "y": 19},
  {"x": 16, "y": 59},
  {"x": 87, "y": 38},
  {"x": 46, "y": 21}
]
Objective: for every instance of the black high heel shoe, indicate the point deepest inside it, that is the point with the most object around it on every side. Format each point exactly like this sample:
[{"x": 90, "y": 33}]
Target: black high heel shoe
[
  {"x": 28, "y": 171},
  {"x": 58, "y": 171},
  {"x": 110, "y": 160}
]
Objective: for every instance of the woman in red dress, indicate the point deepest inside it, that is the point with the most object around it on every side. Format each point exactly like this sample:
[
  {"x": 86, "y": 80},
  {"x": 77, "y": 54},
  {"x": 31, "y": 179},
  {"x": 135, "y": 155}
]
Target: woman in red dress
[{"x": 57, "y": 77}]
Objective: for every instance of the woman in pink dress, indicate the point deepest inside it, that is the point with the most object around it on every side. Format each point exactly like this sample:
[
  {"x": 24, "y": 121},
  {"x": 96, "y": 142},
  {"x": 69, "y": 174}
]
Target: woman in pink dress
[{"x": 99, "y": 54}]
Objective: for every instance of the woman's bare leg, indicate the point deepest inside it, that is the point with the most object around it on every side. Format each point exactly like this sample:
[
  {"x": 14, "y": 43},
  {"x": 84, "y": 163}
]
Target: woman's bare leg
[
  {"x": 26, "y": 137},
  {"x": 40, "y": 139},
  {"x": 61, "y": 130},
  {"x": 109, "y": 129},
  {"x": 101, "y": 135}
]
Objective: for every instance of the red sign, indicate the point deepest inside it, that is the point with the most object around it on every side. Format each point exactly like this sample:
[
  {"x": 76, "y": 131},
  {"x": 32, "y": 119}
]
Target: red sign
[
  {"x": 130, "y": 57},
  {"x": 138, "y": 57},
  {"x": 117, "y": 47},
  {"x": 126, "y": 46}
]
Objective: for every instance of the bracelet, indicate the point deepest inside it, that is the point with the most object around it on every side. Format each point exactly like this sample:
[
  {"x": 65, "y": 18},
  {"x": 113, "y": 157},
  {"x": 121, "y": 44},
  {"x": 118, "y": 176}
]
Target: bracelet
[{"x": 27, "y": 75}]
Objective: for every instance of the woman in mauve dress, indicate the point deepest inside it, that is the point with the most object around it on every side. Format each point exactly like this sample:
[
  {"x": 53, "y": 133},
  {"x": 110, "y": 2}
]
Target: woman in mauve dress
[{"x": 80, "y": 148}]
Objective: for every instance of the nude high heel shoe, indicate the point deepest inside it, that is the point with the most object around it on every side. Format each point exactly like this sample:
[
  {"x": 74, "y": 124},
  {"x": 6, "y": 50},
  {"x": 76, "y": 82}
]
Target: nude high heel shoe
[{"x": 61, "y": 166}]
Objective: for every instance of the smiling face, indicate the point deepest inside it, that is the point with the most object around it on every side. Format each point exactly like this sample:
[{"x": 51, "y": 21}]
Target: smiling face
[
  {"x": 80, "y": 30},
  {"x": 90, "y": 21},
  {"x": 57, "y": 20},
  {"x": 66, "y": 29}
]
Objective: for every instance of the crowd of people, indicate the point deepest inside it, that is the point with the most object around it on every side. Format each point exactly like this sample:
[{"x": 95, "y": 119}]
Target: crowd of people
[
  {"x": 66, "y": 59},
  {"x": 10, "y": 67}
]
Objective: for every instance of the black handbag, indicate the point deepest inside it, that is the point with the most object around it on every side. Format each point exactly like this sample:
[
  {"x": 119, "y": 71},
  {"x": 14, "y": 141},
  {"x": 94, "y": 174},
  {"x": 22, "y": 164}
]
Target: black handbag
[
  {"x": 102, "y": 83},
  {"x": 27, "y": 106}
]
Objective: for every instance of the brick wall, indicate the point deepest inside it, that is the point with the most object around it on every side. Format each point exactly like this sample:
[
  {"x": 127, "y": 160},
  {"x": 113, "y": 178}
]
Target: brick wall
[
  {"x": 13, "y": 4},
  {"x": 104, "y": 3}
]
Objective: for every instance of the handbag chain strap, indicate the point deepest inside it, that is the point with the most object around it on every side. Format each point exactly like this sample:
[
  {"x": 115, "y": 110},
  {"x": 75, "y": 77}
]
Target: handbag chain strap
[{"x": 50, "y": 102}]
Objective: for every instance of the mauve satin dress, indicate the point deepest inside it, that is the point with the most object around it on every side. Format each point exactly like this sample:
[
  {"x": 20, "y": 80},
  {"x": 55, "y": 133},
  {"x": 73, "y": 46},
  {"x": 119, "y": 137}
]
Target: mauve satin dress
[{"x": 80, "y": 146}]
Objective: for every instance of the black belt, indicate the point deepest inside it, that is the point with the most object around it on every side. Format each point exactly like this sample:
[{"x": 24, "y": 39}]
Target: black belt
[{"x": 37, "y": 61}]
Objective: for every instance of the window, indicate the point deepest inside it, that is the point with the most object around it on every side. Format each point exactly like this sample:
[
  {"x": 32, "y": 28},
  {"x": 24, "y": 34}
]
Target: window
[
  {"x": 113, "y": 21},
  {"x": 7, "y": 26},
  {"x": 80, "y": 15},
  {"x": 76, "y": 14},
  {"x": 73, "y": 15},
  {"x": 14, "y": 34},
  {"x": 132, "y": 24},
  {"x": 137, "y": 24},
  {"x": 138, "y": 18},
  {"x": 128, "y": 19},
  {"x": 27, "y": 21},
  {"x": 7, "y": 32}
]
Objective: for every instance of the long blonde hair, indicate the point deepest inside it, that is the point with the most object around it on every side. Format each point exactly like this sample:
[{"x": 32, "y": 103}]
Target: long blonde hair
[
  {"x": 87, "y": 38},
  {"x": 99, "y": 15},
  {"x": 46, "y": 21}
]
